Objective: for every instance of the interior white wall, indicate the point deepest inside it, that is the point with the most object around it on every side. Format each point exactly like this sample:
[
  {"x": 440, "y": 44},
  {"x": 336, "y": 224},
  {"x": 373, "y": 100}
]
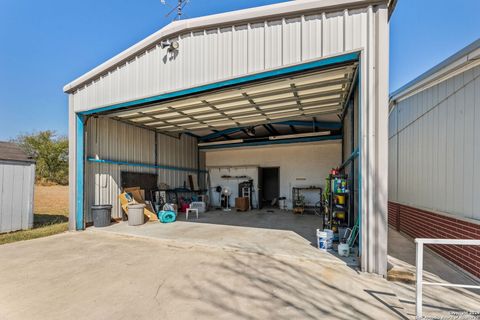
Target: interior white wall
[
  {"x": 217, "y": 180},
  {"x": 300, "y": 164}
]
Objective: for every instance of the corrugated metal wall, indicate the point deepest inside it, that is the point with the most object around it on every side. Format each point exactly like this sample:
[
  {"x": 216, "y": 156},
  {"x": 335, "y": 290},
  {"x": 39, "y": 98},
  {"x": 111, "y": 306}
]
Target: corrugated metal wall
[
  {"x": 221, "y": 53},
  {"x": 180, "y": 153},
  {"x": 17, "y": 181},
  {"x": 435, "y": 146},
  {"x": 108, "y": 139}
]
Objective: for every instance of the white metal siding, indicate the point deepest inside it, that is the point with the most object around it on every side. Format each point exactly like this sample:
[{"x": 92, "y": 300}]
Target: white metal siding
[
  {"x": 108, "y": 139},
  {"x": 17, "y": 181},
  {"x": 216, "y": 54},
  {"x": 392, "y": 169},
  {"x": 438, "y": 147},
  {"x": 176, "y": 152}
]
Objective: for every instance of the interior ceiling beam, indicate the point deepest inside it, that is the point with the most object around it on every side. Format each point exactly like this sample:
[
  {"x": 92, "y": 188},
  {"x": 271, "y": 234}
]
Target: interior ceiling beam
[
  {"x": 330, "y": 125},
  {"x": 296, "y": 96},
  {"x": 308, "y": 113},
  {"x": 269, "y": 142},
  {"x": 249, "y": 103},
  {"x": 139, "y": 124},
  {"x": 220, "y": 133},
  {"x": 319, "y": 84},
  {"x": 256, "y": 106},
  {"x": 255, "y": 113},
  {"x": 190, "y": 117},
  {"x": 309, "y": 86},
  {"x": 225, "y": 135},
  {"x": 272, "y": 129},
  {"x": 267, "y": 127},
  {"x": 211, "y": 106},
  {"x": 253, "y": 104},
  {"x": 315, "y": 128}
]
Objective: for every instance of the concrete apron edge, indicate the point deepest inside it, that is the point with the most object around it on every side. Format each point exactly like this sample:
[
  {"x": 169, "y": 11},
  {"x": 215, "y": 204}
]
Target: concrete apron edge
[
  {"x": 188, "y": 245},
  {"x": 20, "y": 242}
]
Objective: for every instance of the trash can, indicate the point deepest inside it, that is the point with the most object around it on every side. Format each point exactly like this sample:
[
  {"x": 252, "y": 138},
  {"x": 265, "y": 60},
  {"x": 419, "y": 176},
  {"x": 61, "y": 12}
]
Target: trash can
[
  {"x": 102, "y": 215},
  {"x": 135, "y": 214}
]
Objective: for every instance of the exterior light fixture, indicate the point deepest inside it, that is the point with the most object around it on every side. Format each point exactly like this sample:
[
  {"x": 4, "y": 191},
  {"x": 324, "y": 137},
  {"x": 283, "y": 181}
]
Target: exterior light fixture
[{"x": 171, "y": 45}]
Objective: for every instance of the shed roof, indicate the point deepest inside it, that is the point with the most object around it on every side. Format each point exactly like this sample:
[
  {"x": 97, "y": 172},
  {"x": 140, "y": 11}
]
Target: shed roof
[
  {"x": 228, "y": 18},
  {"x": 12, "y": 152}
]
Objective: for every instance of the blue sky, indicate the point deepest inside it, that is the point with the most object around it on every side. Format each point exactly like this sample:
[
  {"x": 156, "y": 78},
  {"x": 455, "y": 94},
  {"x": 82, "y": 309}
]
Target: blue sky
[{"x": 46, "y": 44}]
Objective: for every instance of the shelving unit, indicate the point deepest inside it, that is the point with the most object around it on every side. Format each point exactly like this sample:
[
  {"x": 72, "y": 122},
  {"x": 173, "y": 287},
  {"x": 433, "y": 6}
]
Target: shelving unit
[
  {"x": 296, "y": 196},
  {"x": 332, "y": 217}
]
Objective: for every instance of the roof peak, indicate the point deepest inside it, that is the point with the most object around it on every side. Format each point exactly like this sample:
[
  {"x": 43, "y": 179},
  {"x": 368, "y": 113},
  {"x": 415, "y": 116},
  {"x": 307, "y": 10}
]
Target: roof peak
[{"x": 230, "y": 18}]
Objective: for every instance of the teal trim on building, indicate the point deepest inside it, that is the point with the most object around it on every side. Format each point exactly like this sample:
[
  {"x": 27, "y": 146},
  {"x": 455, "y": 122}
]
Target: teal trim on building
[
  {"x": 79, "y": 217},
  {"x": 145, "y": 165}
]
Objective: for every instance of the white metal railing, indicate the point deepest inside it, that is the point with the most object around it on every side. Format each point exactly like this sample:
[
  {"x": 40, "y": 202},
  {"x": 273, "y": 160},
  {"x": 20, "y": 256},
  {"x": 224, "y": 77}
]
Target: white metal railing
[{"x": 419, "y": 268}]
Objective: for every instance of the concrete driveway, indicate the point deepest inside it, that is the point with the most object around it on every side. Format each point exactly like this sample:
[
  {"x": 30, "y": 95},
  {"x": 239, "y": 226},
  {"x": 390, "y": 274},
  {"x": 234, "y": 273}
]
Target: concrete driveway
[{"x": 95, "y": 275}]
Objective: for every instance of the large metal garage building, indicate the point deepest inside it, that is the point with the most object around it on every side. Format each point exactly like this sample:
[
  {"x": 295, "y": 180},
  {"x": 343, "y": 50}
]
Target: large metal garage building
[
  {"x": 434, "y": 149},
  {"x": 309, "y": 77}
]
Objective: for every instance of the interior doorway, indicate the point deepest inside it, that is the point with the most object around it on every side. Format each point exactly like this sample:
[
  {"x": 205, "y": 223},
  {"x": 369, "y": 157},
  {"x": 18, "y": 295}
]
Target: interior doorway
[{"x": 269, "y": 187}]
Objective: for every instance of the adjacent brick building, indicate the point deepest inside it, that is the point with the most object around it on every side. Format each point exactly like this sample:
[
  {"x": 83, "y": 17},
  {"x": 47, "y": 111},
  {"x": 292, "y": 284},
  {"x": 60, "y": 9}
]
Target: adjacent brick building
[{"x": 434, "y": 151}]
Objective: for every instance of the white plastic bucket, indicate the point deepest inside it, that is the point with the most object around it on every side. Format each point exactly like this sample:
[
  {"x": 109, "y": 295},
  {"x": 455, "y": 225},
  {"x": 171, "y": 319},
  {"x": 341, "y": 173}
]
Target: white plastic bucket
[
  {"x": 135, "y": 214},
  {"x": 323, "y": 241},
  {"x": 329, "y": 234}
]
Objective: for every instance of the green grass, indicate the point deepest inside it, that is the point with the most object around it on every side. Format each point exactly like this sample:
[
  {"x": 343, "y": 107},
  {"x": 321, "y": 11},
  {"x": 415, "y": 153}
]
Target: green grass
[{"x": 44, "y": 225}]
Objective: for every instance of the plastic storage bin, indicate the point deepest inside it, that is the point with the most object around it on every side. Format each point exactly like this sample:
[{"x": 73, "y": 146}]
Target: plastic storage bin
[
  {"x": 135, "y": 214},
  {"x": 102, "y": 215}
]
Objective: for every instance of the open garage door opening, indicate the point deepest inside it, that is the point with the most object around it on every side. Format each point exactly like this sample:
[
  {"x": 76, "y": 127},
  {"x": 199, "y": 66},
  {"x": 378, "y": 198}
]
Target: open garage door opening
[{"x": 256, "y": 154}]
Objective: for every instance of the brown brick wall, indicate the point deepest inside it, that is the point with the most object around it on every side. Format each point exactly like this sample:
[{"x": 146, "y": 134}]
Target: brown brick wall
[
  {"x": 419, "y": 223},
  {"x": 393, "y": 215}
]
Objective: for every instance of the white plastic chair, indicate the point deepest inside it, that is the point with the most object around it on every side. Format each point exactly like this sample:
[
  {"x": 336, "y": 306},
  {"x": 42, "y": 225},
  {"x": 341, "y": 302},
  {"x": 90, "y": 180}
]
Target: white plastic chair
[{"x": 191, "y": 210}]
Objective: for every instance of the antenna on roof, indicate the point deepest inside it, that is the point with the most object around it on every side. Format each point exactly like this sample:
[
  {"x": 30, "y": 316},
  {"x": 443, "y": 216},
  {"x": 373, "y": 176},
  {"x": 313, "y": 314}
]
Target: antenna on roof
[{"x": 177, "y": 8}]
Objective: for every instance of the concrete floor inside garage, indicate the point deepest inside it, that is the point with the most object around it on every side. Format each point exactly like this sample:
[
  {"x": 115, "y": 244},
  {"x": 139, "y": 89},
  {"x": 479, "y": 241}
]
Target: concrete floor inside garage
[{"x": 268, "y": 231}]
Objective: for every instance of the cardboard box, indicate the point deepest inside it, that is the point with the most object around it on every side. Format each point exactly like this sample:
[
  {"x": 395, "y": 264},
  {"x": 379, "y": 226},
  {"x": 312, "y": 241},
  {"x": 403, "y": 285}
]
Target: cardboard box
[
  {"x": 125, "y": 200},
  {"x": 241, "y": 203}
]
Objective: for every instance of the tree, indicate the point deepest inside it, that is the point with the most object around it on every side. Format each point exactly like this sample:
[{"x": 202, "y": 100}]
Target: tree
[{"x": 51, "y": 154}]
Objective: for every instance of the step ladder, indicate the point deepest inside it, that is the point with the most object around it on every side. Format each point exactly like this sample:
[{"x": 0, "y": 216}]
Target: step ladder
[{"x": 246, "y": 193}]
